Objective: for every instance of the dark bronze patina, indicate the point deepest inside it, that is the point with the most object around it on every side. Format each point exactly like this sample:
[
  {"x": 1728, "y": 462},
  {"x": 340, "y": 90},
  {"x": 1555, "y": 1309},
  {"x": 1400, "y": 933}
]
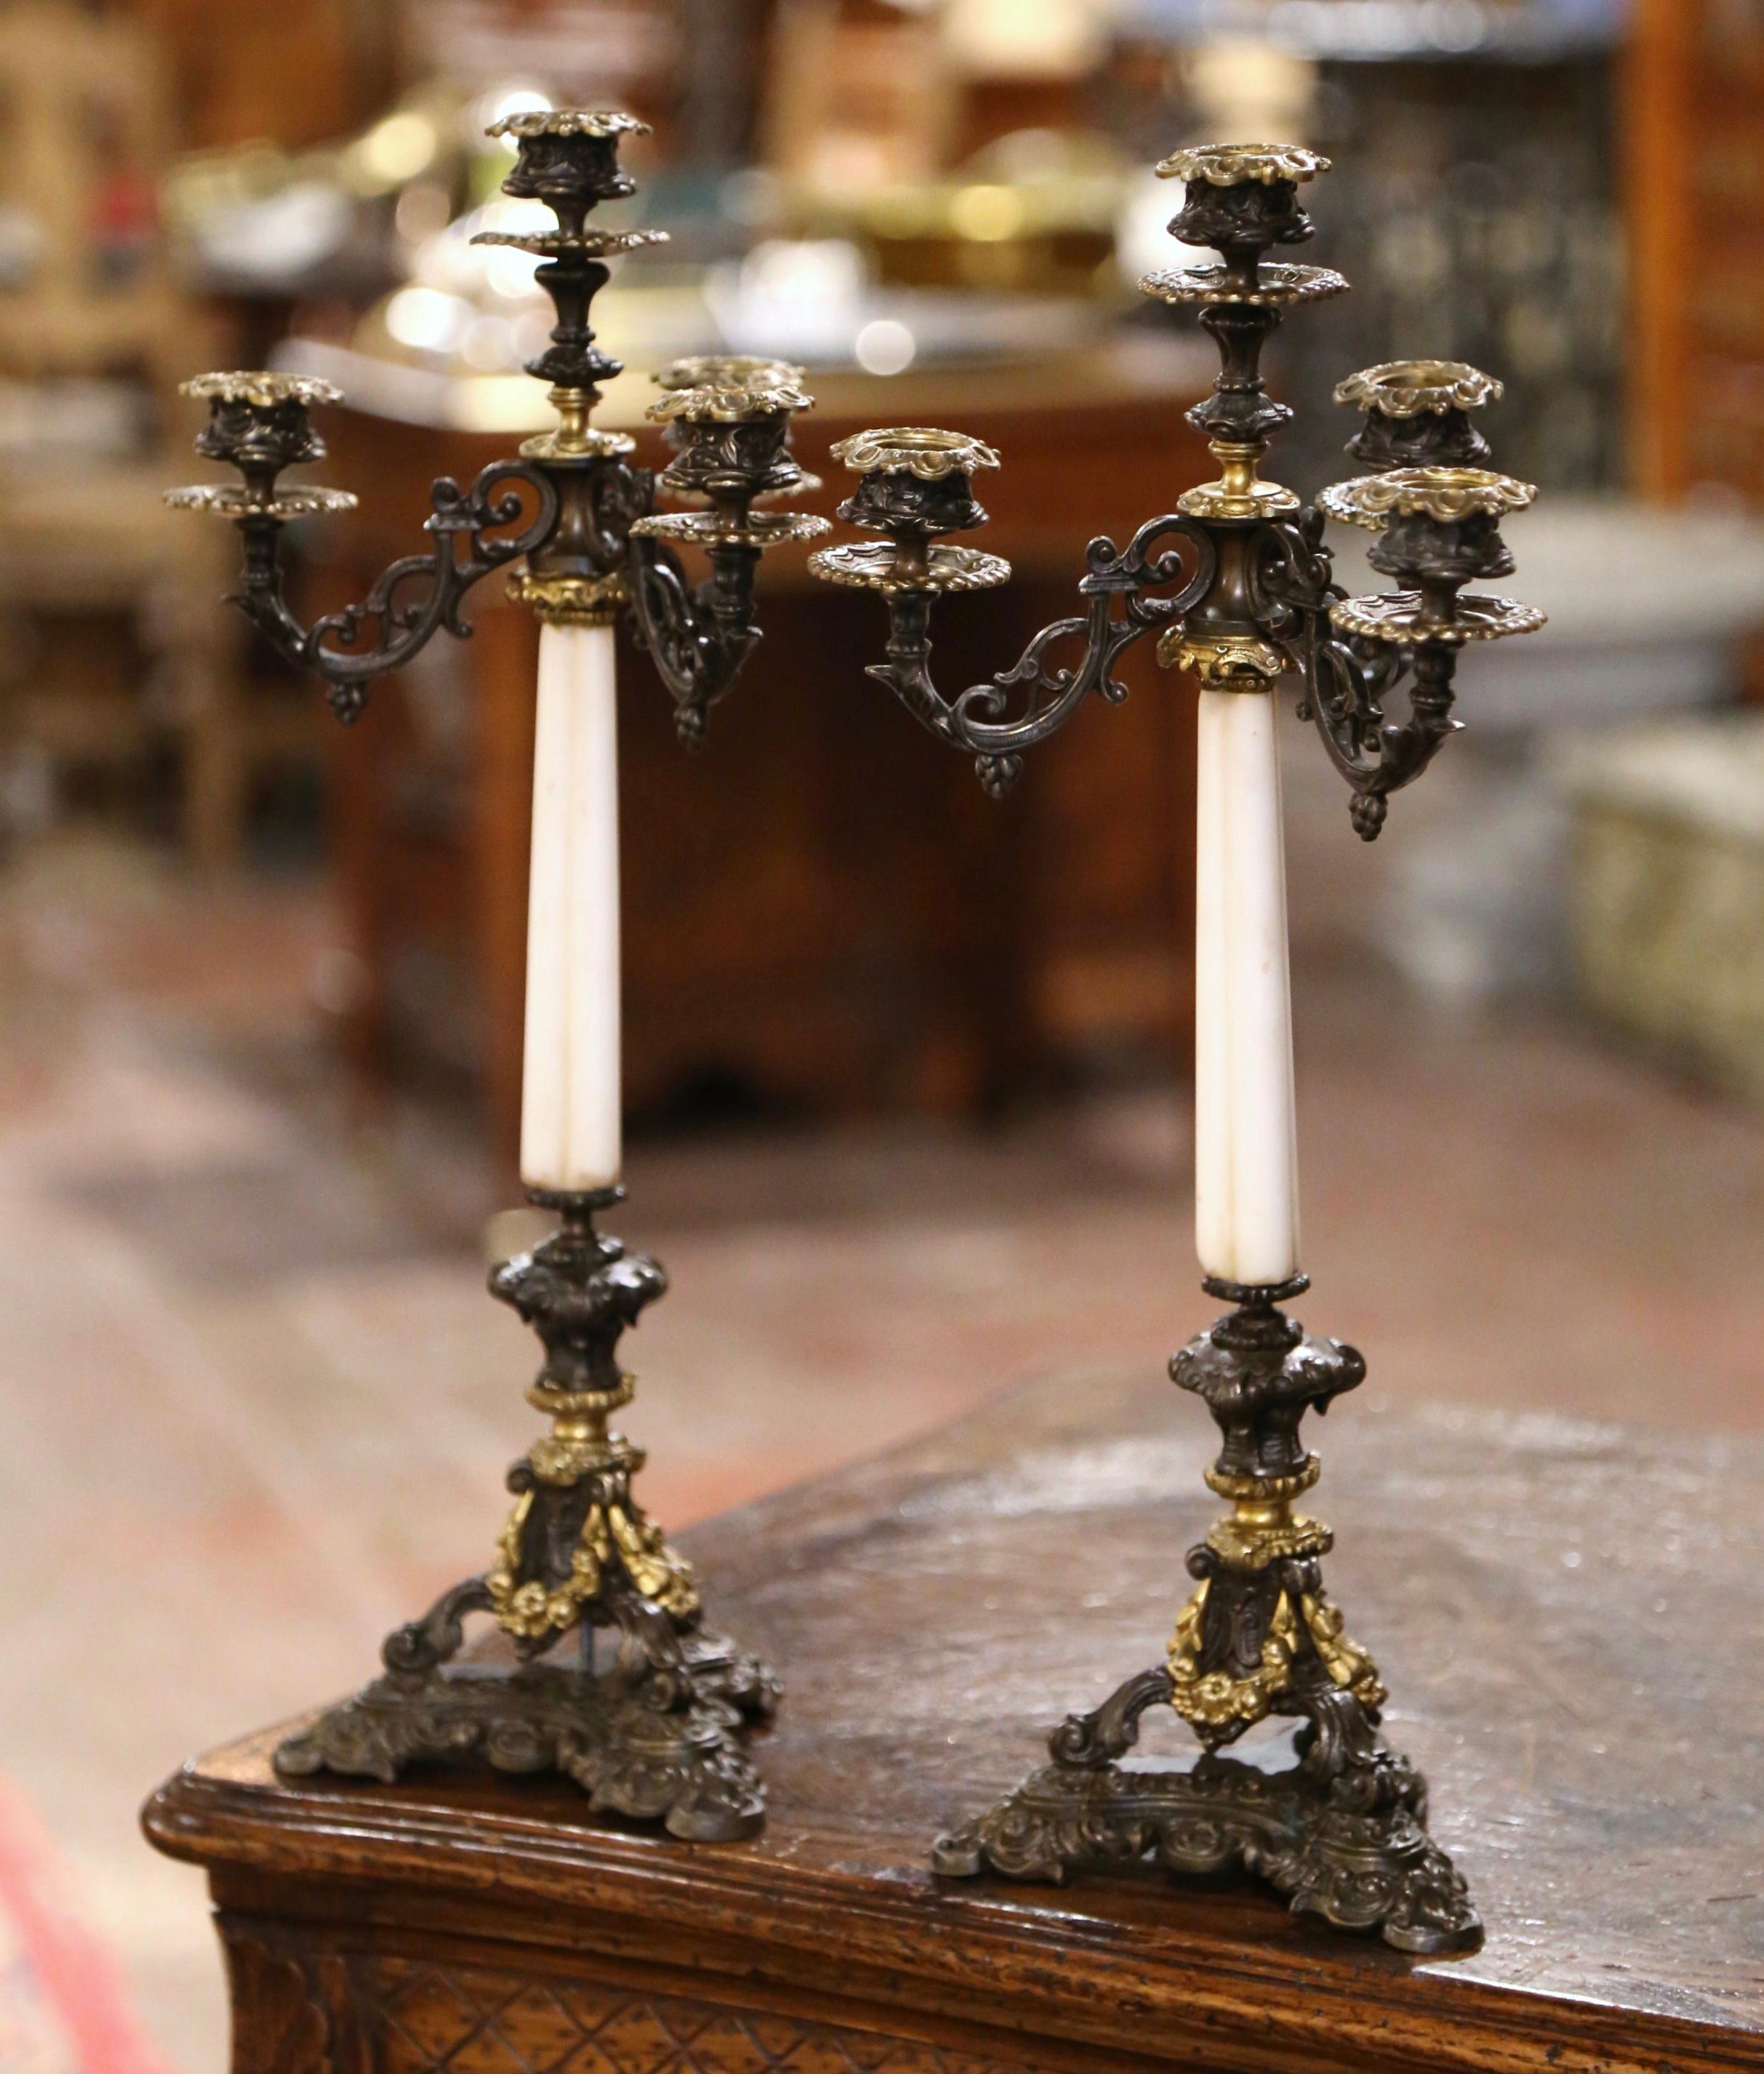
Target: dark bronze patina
[
  {"x": 647, "y": 1720},
  {"x": 1238, "y": 586},
  {"x": 1342, "y": 1832},
  {"x": 1242, "y": 562}
]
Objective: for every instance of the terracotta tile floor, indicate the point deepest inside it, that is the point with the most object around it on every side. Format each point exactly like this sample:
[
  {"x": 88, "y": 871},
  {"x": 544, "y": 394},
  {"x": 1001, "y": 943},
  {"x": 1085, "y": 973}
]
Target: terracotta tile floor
[{"x": 258, "y": 1407}]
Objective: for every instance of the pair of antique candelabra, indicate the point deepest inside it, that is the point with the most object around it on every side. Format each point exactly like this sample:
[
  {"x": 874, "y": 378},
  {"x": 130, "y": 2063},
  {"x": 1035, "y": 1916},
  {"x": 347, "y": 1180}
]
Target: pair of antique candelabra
[{"x": 651, "y": 1715}]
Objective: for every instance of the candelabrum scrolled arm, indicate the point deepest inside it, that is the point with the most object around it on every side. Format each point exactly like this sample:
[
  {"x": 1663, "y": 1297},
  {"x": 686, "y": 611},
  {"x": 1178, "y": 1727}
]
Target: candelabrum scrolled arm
[
  {"x": 727, "y": 417},
  {"x": 1437, "y": 529},
  {"x": 260, "y": 424},
  {"x": 916, "y": 486}
]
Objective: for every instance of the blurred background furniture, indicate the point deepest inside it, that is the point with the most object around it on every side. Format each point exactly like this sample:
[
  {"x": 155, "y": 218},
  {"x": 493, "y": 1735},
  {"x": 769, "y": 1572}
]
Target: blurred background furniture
[
  {"x": 941, "y": 210},
  {"x": 120, "y": 653},
  {"x": 1666, "y": 886},
  {"x": 1695, "y": 146}
]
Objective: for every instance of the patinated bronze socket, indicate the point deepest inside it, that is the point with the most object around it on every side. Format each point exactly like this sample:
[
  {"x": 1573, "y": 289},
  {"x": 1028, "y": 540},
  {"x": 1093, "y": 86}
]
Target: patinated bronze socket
[
  {"x": 1414, "y": 548},
  {"x": 740, "y": 460},
  {"x": 571, "y": 173},
  {"x": 259, "y": 440},
  {"x": 905, "y": 505},
  {"x": 1428, "y": 438},
  {"x": 1258, "y": 1374},
  {"x": 1241, "y": 221}
]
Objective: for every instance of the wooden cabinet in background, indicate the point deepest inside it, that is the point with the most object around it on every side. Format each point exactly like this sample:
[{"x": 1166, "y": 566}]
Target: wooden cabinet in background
[
  {"x": 1695, "y": 110},
  {"x": 303, "y": 72}
]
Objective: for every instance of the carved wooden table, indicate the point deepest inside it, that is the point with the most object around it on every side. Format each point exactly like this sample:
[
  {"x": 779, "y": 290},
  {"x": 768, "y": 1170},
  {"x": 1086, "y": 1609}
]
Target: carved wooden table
[{"x": 1573, "y": 1615}]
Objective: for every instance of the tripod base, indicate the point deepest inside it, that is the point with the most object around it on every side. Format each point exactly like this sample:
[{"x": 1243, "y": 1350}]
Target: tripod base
[
  {"x": 1342, "y": 1832},
  {"x": 661, "y": 1746},
  {"x": 650, "y": 1728}
]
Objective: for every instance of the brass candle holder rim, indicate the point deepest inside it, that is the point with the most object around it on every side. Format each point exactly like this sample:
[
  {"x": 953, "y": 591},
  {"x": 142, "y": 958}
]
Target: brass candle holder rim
[
  {"x": 237, "y": 500},
  {"x": 567, "y": 122},
  {"x": 1407, "y": 388},
  {"x": 725, "y": 370},
  {"x": 584, "y": 443},
  {"x": 876, "y": 565},
  {"x": 925, "y": 451},
  {"x": 589, "y": 244},
  {"x": 1401, "y": 618},
  {"x": 1277, "y": 282},
  {"x": 1445, "y": 495},
  {"x": 707, "y": 529},
  {"x": 757, "y": 396},
  {"x": 261, "y": 386},
  {"x": 1231, "y": 165}
]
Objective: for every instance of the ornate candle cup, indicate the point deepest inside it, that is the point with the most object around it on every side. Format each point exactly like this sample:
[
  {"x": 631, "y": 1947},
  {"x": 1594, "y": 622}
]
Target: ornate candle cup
[
  {"x": 1437, "y": 529},
  {"x": 727, "y": 371},
  {"x": 567, "y": 158},
  {"x": 257, "y": 420},
  {"x": 1418, "y": 414},
  {"x": 731, "y": 439},
  {"x": 259, "y": 423},
  {"x": 915, "y": 485},
  {"x": 1241, "y": 199}
]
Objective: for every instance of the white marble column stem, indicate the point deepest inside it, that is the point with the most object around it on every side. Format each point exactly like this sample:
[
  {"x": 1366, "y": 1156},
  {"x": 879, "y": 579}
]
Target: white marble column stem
[
  {"x": 571, "y": 1092},
  {"x": 1247, "y": 1168}
]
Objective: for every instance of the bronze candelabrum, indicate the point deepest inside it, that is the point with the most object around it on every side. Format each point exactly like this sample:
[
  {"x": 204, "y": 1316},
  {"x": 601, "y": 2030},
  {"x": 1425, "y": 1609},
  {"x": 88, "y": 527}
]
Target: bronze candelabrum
[
  {"x": 652, "y": 1726},
  {"x": 1236, "y": 585}
]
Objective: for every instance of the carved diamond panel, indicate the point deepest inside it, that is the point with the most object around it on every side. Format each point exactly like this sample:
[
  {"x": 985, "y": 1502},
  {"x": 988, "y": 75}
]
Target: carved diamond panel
[{"x": 433, "y": 2019}]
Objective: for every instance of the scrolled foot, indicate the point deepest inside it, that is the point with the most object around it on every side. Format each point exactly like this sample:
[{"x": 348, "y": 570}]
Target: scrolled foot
[
  {"x": 1087, "y": 1741},
  {"x": 1057, "y": 1823},
  {"x": 1382, "y": 1872},
  {"x": 685, "y": 1770},
  {"x": 425, "y": 1644},
  {"x": 389, "y": 1724},
  {"x": 1019, "y": 1838},
  {"x": 719, "y": 1671}
]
